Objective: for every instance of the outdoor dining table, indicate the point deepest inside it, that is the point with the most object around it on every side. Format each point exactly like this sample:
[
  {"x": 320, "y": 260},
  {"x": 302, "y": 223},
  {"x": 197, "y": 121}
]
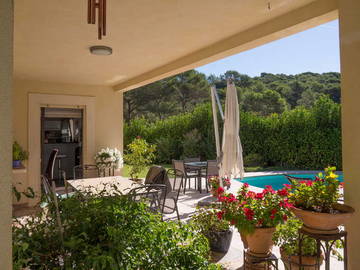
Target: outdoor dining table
[
  {"x": 197, "y": 166},
  {"x": 97, "y": 185}
]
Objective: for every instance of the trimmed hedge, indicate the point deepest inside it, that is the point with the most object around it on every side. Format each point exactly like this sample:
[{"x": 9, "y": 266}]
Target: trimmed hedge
[{"x": 300, "y": 138}]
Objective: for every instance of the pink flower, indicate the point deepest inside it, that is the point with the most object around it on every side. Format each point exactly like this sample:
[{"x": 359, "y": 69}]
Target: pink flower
[
  {"x": 259, "y": 196},
  {"x": 246, "y": 185},
  {"x": 288, "y": 186}
]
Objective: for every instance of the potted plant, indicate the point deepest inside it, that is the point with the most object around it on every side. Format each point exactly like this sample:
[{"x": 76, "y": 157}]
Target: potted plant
[
  {"x": 256, "y": 215},
  {"x": 19, "y": 155},
  {"x": 214, "y": 182},
  {"x": 140, "y": 155},
  {"x": 287, "y": 238},
  {"x": 217, "y": 231},
  {"x": 316, "y": 203}
]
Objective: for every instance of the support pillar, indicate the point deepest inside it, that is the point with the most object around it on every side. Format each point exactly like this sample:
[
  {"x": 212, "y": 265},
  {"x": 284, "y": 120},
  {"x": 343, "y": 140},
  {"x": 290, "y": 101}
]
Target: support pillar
[
  {"x": 6, "y": 73},
  {"x": 349, "y": 20}
]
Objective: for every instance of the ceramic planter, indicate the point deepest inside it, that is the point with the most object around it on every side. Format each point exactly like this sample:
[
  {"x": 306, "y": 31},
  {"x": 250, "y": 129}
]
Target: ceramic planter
[
  {"x": 291, "y": 262},
  {"x": 324, "y": 223},
  {"x": 16, "y": 163},
  {"x": 259, "y": 242},
  {"x": 220, "y": 241}
]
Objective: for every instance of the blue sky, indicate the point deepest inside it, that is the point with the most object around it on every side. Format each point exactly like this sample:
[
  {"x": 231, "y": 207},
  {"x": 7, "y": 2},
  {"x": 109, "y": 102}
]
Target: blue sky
[{"x": 315, "y": 50}]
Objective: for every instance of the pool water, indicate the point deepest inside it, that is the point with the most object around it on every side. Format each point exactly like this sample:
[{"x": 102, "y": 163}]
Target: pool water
[{"x": 276, "y": 181}]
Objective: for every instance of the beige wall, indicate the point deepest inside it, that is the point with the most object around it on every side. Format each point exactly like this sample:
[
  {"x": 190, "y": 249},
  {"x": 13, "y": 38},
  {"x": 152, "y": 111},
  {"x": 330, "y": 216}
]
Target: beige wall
[
  {"x": 108, "y": 118},
  {"x": 6, "y": 67},
  {"x": 349, "y": 16}
]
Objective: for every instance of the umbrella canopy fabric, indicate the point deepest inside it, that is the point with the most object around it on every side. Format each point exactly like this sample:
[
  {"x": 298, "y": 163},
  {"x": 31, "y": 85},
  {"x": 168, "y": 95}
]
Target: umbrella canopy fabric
[{"x": 231, "y": 164}]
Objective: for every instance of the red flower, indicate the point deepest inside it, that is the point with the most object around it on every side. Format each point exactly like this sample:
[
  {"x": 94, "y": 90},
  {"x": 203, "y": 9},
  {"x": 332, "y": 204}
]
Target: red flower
[
  {"x": 259, "y": 196},
  {"x": 285, "y": 217},
  {"x": 272, "y": 216},
  {"x": 232, "y": 198},
  {"x": 260, "y": 222},
  {"x": 274, "y": 211},
  {"x": 269, "y": 189},
  {"x": 341, "y": 184},
  {"x": 309, "y": 183},
  {"x": 250, "y": 194},
  {"x": 232, "y": 222},
  {"x": 249, "y": 213},
  {"x": 286, "y": 204},
  {"x": 283, "y": 192},
  {"x": 220, "y": 190},
  {"x": 246, "y": 185},
  {"x": 222, "y": 198},
  {"x": 220, "y": 214}
]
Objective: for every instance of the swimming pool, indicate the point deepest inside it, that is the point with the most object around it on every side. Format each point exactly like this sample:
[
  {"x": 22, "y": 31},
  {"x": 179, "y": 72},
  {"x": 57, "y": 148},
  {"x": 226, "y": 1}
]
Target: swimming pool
[{"x": 276, "y": 181}]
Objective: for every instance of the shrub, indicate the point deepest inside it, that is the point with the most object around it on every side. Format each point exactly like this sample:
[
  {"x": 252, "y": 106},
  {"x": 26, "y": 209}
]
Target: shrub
[
  {"x": 252, "y": 160},
  {"x": 300, "y": 138},
  {"x": 140, "y": 154},
  {"x": 106, "y": 232}
]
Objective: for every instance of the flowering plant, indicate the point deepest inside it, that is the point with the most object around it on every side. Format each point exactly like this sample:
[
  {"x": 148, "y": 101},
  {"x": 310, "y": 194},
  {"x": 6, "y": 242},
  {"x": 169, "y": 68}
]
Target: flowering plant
[
  {"x": 249, "y": 210},
  {"x": 317, "y": 195},
  {"x": 108, "y": 158},
  {"x": 214, "y": 182}
]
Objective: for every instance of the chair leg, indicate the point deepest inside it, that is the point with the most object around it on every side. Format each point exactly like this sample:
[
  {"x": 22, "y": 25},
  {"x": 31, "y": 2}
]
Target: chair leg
[
  {"x": 207, "y": 185},
  {"x": 177, "y": 212},
  {"x": 185, "y": 185}
]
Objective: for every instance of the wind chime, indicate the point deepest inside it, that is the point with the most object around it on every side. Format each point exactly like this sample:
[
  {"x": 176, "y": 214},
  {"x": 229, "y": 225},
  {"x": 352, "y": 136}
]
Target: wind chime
[{"x": 100, "y": 6}]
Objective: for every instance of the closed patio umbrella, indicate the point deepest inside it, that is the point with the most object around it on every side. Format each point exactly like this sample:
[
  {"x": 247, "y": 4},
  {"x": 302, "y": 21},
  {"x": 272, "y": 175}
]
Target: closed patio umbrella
[{"x": 231, "y": 164}]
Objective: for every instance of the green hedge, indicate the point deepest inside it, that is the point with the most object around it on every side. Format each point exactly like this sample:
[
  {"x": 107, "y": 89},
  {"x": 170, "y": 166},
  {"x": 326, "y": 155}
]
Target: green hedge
[{"x": 300, "y": 138}]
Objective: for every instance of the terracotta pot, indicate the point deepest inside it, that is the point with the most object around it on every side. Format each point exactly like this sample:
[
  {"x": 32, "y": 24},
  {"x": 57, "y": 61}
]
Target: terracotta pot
[
  {"x": 292, "y": 261},
  {"x": 324, "y": 222},
  {"x": 260, "y": 241}
]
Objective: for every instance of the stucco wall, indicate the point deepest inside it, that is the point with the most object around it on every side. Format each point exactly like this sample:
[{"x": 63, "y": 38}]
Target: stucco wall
[{"x": 108, "y": 120}]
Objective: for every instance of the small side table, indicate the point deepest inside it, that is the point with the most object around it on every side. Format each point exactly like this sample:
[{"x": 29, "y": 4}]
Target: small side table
[
  {"x": 324, "y": 242},
  {"x": 252, "y": 262}
]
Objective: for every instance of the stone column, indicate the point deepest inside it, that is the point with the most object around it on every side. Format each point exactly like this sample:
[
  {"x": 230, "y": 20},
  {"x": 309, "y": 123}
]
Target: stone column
[
  {"x": 6, "y": 73},
  {"x": 349, "y": 18}
]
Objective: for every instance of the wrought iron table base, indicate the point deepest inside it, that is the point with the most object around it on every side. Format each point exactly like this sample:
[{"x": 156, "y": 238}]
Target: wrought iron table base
[{"x": 252, "y": 262}]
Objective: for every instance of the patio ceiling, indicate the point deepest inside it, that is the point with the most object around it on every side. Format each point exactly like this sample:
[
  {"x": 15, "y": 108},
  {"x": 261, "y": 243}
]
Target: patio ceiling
[{"x": 151, "y": 39}]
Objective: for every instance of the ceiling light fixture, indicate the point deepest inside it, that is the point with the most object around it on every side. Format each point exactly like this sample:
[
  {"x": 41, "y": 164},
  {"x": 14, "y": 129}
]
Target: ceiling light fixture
[
  {"x": 101, "y": 50},
  {"x": 100, "y": 5}
]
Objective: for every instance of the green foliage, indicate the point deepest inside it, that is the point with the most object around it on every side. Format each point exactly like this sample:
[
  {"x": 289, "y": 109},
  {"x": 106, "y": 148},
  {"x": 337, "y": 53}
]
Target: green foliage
[
  {"x": 319, "y": 195},
  {"x": 253, "y": 160},
  {"x": 106, "y": 232},
  {"x": 207, "y": 222},
  {"x": 300, "y": 138},
  {"x": 286, "y": 237},
  {"x": 140, "y": 154},
  {"x": 19, "y": 153}
]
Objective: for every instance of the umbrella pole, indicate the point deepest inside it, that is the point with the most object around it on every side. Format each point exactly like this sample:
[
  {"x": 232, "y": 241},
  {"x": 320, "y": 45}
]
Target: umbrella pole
[{"x": 215, "y": 119}]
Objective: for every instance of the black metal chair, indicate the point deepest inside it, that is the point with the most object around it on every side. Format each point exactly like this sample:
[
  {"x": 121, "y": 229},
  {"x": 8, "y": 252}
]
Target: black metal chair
[
  {"x": 154, "y": 195},
  {"x": 179, "y": 165},
  {"x": 176, "y": 178},
  {"x": 49, "y": 171},
  {"x": 86, "y": 171}
]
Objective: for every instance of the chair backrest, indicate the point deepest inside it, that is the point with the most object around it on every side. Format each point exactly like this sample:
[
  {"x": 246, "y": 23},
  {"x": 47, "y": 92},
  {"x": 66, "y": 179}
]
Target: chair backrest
[
  {"x": 49, "y": 172},
  {"x": 194, "y": 159},
  {"x": 48, "y": 187},
  {"x": 212, "y": 168},
  {"x": 86, "y": 171},
  {"x": 179, "y": 165},
  {"x": 155, "y": 175}
]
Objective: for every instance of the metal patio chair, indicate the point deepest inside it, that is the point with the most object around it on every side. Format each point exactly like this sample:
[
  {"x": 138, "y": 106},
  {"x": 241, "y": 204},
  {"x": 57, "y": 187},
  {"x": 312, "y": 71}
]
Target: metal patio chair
[
  {"x": 86, "y": 171},
  {"x": 179, "y": 165}
]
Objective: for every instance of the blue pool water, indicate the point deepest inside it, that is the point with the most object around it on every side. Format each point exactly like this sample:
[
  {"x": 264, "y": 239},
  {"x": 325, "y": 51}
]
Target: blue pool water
[{"x": 276, "y": 181}]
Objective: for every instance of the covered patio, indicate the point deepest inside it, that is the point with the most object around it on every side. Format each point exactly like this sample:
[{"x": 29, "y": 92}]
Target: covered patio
[{"x": 46, "y": 63}]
